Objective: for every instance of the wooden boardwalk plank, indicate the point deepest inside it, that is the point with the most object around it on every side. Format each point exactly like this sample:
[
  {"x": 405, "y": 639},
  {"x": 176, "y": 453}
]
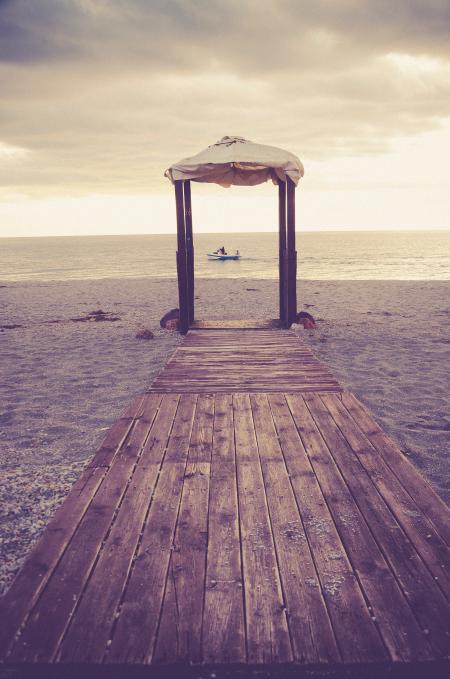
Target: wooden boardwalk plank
[
  {"x": 37, "y": 569},
  {"x": 244, "y": 514},
  {"x": 419, "y": 588},
  {"x": 90, "y": 629},
  {"x": 251, "y": 324},
  {"x": 353, "y": 624},
  {"x": 427, "y": 543},
  {"x": 38, "y": 641},
  {"x": 400, "y": 631},
  {"x": 135, "y": 633},
  {"x": 223, "y": 620},
  {"x": 244, "y": 361},
  {"x": 117, "y": 434},
  {"x": 310, "y": 627},
  {"x": 179, "y": 637},
  {"x": 416, "y": 485},
  {"x": 265, "y": 610}
]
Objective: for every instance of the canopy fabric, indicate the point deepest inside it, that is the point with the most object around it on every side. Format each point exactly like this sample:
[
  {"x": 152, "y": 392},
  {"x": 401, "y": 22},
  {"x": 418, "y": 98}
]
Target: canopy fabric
[{"x": 235, "y": 160}]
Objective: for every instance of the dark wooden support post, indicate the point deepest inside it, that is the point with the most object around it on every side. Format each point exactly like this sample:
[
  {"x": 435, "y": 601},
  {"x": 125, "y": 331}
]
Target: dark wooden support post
[
  {"x": 282, "y": 252},
  {"x": 181, "y": 259},
  {"x": 291, "y": 254},
  {"x": 189, "y": 248}
]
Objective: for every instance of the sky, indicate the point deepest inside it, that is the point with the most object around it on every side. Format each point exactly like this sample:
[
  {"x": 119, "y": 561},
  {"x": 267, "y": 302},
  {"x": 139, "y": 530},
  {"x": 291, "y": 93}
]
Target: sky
[{"x": 99, "y": 97}]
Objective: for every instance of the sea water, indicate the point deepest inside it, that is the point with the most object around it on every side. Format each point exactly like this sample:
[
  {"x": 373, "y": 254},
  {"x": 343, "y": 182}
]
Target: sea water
[{"x": 363, "y": 255}]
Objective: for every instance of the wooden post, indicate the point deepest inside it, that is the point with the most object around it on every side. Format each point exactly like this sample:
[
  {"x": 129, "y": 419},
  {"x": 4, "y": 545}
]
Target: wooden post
[
  {"x": 291, "y": 254},
  {"x": 282, "y": 251},
  {"x": 181, "y": 259},
  {"x": 189, "y": 248}
]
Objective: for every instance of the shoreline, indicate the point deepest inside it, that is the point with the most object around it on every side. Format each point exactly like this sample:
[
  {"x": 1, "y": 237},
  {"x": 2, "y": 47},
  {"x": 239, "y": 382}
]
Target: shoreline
[{"x": 65, "y": 382}]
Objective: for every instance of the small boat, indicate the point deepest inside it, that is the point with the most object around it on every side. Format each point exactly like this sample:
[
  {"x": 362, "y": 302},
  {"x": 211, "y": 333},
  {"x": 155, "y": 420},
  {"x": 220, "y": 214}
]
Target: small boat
[
  {"x": 223, "y": 255},
  {"x": 216, "y": 255}
]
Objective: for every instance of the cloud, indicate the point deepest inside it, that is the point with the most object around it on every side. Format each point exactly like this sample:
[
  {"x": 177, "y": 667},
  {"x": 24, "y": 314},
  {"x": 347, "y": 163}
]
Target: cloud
[
  {"x": 106, "y": 94},
  {"x": 255, "y": 34},
  {"x": 12, "y": 153}
]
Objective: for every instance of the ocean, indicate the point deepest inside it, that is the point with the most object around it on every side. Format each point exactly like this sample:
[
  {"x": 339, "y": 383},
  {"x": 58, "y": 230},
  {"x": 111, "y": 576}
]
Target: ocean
[{"x": 374, "y": 255}]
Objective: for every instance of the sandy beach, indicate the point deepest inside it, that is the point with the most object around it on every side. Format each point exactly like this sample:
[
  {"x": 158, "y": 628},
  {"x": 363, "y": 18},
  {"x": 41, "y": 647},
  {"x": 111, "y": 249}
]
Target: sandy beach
[{"x": 63, "y": 382}]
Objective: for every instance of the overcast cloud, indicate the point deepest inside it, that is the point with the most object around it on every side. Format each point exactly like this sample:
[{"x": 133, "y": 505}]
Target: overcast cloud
[{"x": 102, "y": 95}]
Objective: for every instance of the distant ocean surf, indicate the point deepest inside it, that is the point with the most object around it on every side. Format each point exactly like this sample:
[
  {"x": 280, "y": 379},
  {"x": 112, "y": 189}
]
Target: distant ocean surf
[{"x": 374, "y": 255}]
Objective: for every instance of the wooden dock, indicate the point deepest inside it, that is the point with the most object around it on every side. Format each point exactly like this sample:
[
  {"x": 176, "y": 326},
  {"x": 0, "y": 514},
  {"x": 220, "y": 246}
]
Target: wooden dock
[
  {"x": 236, "y": 360},
  {"x": 244, "y": 515}
]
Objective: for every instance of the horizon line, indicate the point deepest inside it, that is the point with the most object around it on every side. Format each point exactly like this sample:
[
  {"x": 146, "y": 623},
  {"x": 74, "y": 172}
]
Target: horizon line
[{"x": 215, "y": 233}]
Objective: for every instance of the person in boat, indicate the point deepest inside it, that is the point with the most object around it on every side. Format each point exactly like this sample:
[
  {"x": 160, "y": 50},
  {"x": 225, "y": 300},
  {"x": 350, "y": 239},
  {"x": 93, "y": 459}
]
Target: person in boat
[{"x": 222, "y": 251}]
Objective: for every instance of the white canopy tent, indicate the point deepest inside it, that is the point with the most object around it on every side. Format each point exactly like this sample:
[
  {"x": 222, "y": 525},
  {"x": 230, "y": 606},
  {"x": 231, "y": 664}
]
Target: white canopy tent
[{"x": 237, "y": 161}]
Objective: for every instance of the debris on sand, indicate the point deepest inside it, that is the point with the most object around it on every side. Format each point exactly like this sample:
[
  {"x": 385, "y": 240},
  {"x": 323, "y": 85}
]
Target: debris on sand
[
  {"x": 170, "y": 320},
  {"x": 96, "y": 316},
  {"x": 305, "y": 319},
  {"x": 172, "y": 324},
  {"x": 145, "y": 334}
]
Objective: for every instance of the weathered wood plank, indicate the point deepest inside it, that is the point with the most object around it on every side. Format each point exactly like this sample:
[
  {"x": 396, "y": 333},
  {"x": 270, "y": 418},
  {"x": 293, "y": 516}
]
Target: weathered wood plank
[
  {"x": 418, "y": 488},
  {"x": 239, "y": 361},
  {"x": 134, "y": 635},
  {"x": 353, "y": 624},
  {"x": 181, "y": 258},
  {"x": 223, "y": 620},
  {"x": 19, "y": 600},
  {"x": 282, "y": 292},
  {"x": 38, "y": 641},
  {"x": 291, "y": 254},
  {"x": 265, "y": 610},
  {"x": 310, "y": 627},
  {"x": 180, "y": 632},
  {"x": 397, "y": 624},
  {"x": 189, "y": 247},
  {"x": 232, "y": 389},
  {"x": 34, "y": 574},
  {"x": 247, "y": 365},
  {"x": 245, "y": 370},
  {"x": 427, "y": 543},
  {"x": 117, "y": 434},
  {"x": 90, "y": 629},
  {"x": 287, "y": 533},
  {"x": 213, "y": 356},
  {"x": 245, "y": 323},
  {"x": 428, "y": 605}
]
